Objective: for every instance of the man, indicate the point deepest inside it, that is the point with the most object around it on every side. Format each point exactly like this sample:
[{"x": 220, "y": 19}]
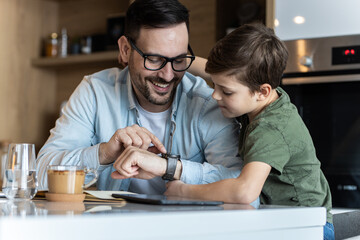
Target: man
[{"x": 129, "y": 115}]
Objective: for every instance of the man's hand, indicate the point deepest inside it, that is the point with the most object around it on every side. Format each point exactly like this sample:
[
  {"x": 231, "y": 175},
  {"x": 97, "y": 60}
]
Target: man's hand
[
  {"x": 175, "y": 188},
  {"x": 136, "y": 136},
  {"x": 138, "y": 163}
]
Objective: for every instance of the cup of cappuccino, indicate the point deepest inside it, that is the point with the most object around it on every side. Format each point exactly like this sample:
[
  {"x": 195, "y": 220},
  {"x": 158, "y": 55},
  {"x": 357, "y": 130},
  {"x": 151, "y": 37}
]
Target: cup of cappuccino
[{"x": 66, "y": 183}]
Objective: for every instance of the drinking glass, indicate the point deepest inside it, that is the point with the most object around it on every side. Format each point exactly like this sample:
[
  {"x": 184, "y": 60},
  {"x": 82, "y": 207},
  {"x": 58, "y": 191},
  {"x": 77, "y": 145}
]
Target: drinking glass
[
  {"x": 20, "y": 181},
  {"x": 21, "y": 208}
]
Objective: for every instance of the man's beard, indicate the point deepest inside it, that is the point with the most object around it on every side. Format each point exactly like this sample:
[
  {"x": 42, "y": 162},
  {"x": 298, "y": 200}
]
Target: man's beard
[{"x": 145, "y": 90}]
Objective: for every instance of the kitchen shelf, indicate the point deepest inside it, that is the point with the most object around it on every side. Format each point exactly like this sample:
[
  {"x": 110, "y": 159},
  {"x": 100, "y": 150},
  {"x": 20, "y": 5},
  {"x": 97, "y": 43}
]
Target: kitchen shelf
[{"x": 106, "y": 57}]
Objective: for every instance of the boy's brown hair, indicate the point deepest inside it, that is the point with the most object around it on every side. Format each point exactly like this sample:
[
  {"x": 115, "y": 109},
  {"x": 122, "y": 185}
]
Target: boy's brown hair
[{"x": 252, "y": 53}]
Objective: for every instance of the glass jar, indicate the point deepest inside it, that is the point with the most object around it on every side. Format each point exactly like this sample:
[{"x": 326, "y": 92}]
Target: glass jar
[
  {"x": 20, "y": 180},
  {"x": 51, "y": 49},
  {"x": 4, "y": 146}
]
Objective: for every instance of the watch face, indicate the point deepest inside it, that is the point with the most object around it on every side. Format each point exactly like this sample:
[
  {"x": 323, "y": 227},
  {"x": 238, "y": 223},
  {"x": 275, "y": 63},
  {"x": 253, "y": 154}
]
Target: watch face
[{"x": 167, "y": 177}]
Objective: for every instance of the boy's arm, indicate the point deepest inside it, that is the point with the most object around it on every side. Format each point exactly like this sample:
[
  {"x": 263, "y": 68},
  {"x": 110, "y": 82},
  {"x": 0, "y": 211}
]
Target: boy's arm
[
  {"x": 243, "y": 189},
  {"x": 197, "y": 68}
]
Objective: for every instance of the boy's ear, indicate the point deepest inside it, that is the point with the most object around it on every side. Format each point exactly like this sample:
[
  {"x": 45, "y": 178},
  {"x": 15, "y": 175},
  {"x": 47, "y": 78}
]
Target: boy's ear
[
  {"x": 265, "y": 90},
  {"x": 124, "y": 50}
]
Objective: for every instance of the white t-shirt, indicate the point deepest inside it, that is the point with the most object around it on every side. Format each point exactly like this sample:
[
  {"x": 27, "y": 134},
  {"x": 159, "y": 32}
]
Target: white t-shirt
[{"x": 155, "y": 123}]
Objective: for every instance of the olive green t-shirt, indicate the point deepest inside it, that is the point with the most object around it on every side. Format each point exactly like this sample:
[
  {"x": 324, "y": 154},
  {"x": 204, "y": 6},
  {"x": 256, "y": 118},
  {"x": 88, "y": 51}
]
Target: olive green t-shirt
[{"x": 279, "y": 137}]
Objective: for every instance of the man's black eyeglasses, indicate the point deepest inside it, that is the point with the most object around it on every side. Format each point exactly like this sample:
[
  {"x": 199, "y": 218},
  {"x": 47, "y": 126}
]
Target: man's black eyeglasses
[{"x": 156, "y": 62}]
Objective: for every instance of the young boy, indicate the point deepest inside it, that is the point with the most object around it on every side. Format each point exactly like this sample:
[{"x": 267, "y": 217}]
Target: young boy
[{"x": 279, "y": 156}]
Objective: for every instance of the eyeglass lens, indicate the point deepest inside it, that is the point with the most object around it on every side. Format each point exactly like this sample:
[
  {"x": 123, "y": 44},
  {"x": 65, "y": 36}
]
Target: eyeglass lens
[{"x": 158, "y": 62}]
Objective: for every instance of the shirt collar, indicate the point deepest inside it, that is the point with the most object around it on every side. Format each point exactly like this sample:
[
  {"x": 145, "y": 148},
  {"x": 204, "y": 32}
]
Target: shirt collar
[{"x": 131, "y": 94}]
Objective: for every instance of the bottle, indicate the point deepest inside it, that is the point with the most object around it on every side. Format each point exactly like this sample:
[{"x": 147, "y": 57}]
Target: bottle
[
  {"x": 86, "y": 43},
  {"x": 63, "y": 43},
  {"x": 52, "y": 45},
  {"x": 4, "y": 146}
]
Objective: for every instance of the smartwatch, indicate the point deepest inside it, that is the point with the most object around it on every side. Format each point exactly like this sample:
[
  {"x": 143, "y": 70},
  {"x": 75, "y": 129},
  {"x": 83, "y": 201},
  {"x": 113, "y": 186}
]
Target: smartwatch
[{"x": 171, "y": 166}]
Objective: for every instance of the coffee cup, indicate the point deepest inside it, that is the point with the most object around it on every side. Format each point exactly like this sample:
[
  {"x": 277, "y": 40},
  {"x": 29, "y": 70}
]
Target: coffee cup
[{"x": 65, "y": 182}]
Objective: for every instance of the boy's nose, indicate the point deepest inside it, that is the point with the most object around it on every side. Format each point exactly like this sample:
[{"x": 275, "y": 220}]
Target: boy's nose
[{"x": 216, "y": 96}]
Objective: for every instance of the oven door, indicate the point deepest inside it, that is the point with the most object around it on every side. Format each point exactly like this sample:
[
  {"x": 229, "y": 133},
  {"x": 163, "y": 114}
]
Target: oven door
[{"x": 330, "y": 108}]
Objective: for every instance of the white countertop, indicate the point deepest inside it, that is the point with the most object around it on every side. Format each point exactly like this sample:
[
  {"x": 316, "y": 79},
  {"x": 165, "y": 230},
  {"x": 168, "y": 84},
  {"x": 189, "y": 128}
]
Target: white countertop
[{"x": 41, "y": 219}]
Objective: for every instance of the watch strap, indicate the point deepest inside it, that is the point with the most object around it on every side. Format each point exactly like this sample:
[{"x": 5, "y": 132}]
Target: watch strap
[{"x": 171, "y": 166}]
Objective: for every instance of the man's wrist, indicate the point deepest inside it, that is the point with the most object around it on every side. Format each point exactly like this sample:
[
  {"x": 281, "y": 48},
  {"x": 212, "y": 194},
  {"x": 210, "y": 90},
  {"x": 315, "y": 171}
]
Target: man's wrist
[{"x": 171, "y": 166}]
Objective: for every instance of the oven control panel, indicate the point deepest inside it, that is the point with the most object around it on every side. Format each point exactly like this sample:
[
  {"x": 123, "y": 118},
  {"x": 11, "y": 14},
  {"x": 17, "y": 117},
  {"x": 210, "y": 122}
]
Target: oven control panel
[{"x": 345, "y": 55}]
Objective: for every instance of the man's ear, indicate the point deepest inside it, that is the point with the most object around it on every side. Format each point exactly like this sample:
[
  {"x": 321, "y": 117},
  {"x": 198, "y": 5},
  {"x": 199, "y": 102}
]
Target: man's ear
[
  {"x": 265, "y": 90},
  {"x": 124, "y": 51}
]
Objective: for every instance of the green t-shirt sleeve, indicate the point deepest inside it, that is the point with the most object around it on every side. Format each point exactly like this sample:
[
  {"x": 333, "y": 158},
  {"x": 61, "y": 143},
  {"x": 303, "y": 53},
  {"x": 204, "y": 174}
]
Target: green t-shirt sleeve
[{"x": 266, "y": 144}]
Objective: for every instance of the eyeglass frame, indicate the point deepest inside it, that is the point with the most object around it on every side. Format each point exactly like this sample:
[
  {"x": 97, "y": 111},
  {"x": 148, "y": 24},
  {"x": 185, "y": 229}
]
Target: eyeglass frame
[{"x": 167, "y": 59}]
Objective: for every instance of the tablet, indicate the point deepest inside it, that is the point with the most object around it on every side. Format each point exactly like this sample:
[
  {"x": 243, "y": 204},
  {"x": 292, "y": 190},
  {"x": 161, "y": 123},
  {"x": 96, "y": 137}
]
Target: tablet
[{"x": 165, "y": 200}]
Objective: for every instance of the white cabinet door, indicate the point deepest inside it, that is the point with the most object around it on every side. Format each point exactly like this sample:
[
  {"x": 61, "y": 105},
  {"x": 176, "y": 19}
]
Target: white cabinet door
[{"x": 316, "y": 18}]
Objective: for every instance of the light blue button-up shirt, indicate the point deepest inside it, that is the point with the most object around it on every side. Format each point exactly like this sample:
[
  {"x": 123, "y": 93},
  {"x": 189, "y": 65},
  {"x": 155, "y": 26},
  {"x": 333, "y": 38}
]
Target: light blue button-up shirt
[{"x": 104, "y": 102}]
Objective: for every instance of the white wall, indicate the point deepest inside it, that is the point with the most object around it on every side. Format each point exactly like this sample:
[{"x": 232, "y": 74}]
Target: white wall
[{"x": 323, "y": 18}]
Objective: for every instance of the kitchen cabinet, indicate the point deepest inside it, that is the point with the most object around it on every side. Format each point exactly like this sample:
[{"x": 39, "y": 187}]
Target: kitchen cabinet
[{"x": 340, "y": 18}]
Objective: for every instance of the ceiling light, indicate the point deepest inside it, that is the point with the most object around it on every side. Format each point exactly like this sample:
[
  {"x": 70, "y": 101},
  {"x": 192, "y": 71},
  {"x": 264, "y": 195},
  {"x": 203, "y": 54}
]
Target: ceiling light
[
  {"x": 299, "y": 20},
  {"x": 276, "y": 22}
]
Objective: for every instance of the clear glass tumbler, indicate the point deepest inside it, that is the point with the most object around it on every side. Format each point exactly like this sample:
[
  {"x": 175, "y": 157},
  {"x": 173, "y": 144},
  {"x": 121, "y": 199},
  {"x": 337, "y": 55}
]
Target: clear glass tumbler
[{"x": 20, "y": 181}]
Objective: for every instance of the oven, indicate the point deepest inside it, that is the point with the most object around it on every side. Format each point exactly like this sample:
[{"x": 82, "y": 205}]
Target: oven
[{"x": 322, "y": 79}]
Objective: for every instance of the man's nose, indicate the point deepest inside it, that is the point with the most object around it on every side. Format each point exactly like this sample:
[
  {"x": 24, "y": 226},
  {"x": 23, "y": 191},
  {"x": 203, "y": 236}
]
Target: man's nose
[{"x": 167, "y": 73}]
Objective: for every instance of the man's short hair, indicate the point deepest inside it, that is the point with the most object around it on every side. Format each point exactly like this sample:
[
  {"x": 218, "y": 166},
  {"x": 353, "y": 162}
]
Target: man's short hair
[
  {"x": 252, "y": 53},
  {"x": 154, "y": 14}
]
